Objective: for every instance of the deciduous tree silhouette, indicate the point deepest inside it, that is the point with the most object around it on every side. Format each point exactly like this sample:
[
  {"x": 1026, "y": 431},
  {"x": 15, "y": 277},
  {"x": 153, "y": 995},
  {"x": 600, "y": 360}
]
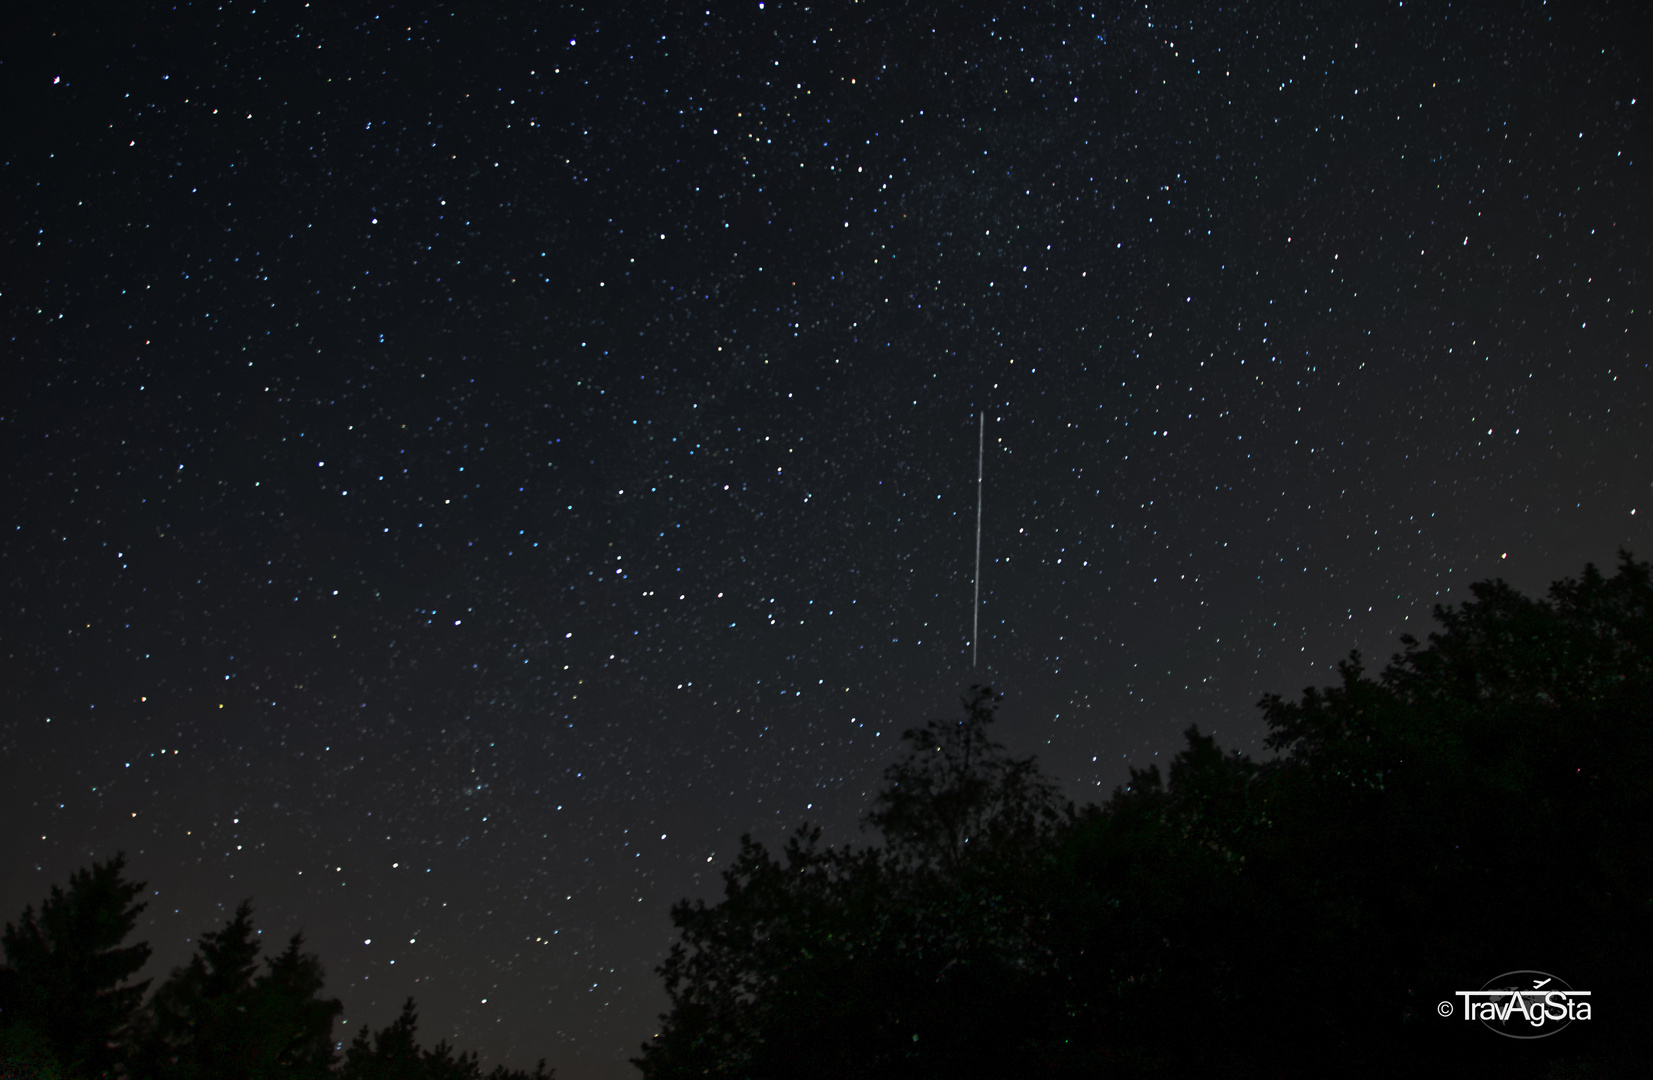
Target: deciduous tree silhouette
[
  {"x": 832, "y": 961},
  {"x": 1482, "y": 804},
  {"x": 957, "y": 799}
]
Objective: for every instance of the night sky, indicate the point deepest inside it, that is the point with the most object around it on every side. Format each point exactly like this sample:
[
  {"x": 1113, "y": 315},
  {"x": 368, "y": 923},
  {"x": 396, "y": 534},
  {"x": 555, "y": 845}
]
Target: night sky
[{"x": 466, "y": 464}]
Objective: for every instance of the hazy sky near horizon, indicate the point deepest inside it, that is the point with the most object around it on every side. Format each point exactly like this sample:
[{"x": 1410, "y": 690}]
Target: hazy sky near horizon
[{"x": 467, "y": 464}]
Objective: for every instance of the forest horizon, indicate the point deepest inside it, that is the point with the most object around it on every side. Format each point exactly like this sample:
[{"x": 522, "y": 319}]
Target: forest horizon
[{"x": 999, "y": 926}]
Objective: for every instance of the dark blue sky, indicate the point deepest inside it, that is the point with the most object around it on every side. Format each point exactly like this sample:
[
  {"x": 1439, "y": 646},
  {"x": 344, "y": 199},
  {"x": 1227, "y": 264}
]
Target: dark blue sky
[{"x": 465, "y": 465}]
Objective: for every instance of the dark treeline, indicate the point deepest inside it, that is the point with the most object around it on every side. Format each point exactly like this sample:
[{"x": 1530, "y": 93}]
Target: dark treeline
[
  {"x": 1482, "y": 806},
  {"x": 68, "y": 1009}
]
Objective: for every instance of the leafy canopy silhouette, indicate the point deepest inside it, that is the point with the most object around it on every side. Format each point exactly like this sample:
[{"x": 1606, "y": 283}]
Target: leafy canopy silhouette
[{"x": 1480, "y": 804}]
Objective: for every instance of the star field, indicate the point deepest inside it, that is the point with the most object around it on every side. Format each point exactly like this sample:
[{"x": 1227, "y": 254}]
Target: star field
[{"x": 466, "y": 466}]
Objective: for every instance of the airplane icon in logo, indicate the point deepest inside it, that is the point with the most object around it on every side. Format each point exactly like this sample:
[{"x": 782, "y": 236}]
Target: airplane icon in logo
[{"x": 1539, "y": 983}]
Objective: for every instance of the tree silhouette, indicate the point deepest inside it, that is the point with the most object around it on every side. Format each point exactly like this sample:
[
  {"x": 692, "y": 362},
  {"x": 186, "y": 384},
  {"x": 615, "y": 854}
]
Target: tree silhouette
[
  {"x": 218, "y": 1017},
  {"x": 64, "y": 995},
  {"x": 393, "y": 1053},
  {"x": 956, "y": 799},
  {"x": 1481, "y": 804},
  {"x": 67, "y": 1011},
  {"x": 833, "y": 961},
  {"x": 292, "y": 1010},
  {"x": 1486, "y": 794}
]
